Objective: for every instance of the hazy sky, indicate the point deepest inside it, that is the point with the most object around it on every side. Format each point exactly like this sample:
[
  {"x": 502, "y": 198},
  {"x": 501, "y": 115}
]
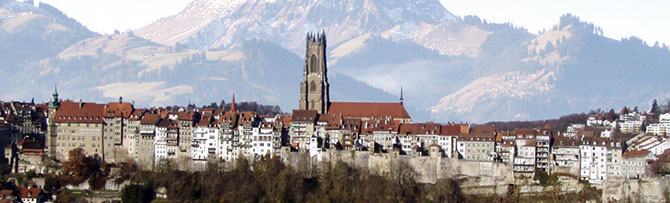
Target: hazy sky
[{"x": 645, "y": 19}]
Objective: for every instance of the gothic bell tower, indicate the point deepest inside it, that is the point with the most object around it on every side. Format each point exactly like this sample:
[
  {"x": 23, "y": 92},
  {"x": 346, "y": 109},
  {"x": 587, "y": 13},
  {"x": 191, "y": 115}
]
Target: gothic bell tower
[{"x": 314, "y": 86}]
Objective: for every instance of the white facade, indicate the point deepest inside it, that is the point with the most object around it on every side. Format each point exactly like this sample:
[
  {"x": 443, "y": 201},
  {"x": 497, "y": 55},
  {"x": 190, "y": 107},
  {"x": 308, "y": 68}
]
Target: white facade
[
  {"x": 228, "y": 145},
  {"x": 160, "y": 144},
  {"x": 658, "y": 128},
  {"x": 263, "y": 140},
  {"x": 593, "y": 165},
  {"x": 524, "y": 161},
  {"x": 447, "y": 144},
  {"x": 204, "y": 142}
]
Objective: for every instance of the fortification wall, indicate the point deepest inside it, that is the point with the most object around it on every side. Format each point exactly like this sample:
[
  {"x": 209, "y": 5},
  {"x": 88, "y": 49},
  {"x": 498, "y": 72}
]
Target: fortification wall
[
  {"x": 648, "y": 189},
  {"x": 428, "y": 170}
]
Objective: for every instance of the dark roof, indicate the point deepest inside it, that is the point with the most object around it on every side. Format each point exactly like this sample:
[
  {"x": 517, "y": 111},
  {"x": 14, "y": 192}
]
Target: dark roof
[
  {"x": 164, "y": 123},
  {"x": 368, "y": 109},
  {"x": 304, "y": 116}
]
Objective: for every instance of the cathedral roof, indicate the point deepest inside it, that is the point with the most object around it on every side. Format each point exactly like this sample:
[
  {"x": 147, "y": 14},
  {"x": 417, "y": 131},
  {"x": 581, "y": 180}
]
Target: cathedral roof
[{"x": 368, "y": 109}]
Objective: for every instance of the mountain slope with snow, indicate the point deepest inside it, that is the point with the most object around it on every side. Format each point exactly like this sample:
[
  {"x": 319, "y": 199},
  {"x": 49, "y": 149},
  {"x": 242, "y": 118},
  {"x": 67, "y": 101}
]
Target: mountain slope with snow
[{"x": 195, "y": 17}]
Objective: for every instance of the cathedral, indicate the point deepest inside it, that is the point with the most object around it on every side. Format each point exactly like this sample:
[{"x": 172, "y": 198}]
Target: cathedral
[{"x": 314, "y": 90}]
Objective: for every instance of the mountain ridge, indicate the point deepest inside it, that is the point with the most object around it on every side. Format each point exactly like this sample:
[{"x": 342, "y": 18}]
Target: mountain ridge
[{"x": 452, "y": 69}]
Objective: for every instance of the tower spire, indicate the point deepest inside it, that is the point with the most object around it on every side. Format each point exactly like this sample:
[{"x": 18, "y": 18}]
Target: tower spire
[
  {"x": 401, "y": 99},
  {"x": 232, "y": 105}
]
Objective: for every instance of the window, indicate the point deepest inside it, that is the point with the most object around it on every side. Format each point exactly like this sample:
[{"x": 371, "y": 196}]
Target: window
[
  {"x": 313, "y": 64},
  {"x": 312, "y": 86}
]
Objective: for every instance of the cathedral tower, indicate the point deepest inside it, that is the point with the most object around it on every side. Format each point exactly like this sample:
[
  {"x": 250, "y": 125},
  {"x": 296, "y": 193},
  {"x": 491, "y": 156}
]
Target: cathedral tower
[{"x": 314, "y": 86}]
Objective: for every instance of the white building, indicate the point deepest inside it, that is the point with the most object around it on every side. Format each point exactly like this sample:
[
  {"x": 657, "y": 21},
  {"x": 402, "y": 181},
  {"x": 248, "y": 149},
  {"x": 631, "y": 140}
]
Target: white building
[
  {"x": 593, "y": 165},
  {"x": 658, "y": 128},
  {"x": 565, "y": 153},
  {"x": 160, "y": 141},
  {"x": 631, "y": 122},
  {"x": 524, "y": 161},
  {"x": 205, "y": 140},
  {"x": 263, "y": 140}
]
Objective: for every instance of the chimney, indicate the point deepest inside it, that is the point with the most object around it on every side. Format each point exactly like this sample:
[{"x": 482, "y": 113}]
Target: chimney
[
  {"x": 120, "y": 99},
  {"x": 80, "y": 104}
]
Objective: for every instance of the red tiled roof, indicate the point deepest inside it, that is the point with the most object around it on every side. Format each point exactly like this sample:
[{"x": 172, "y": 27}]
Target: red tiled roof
[
  {"x": 184, "y": 116},
  {"x": 150, "y": 119},
  {"x": 6, "y": 192},
  {"x": 30, "y": 193},
  {"x": 229, "y": 117},
  {"x": 70, "y": 112},
  {"x": 351, "y": 124},
  {"x": 304, "y": 116},
  {"x": 116, "y": 109},
  {"x": 247, "y": 117},
  {"x": 137, "y": 114},
  {"x": 484, "y": 131},
  {"x": 370, "y": 126},
  {"x": 450, "y": 129},
  {"x": 205, "y": 121},
  {"x": 368, "y": 109},
  {"x": 334, "y": 121},
  {"x": 635, "y": 153},
  {"x": 286, "y": 120},
  {"x": 419, "y": 128}
]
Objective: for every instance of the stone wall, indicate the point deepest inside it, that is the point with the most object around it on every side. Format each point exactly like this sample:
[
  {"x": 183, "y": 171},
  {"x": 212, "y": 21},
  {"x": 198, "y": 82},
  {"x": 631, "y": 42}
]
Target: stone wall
[
  {"x": 428, "y": 170},
  {"x": 648, "y": 189}
]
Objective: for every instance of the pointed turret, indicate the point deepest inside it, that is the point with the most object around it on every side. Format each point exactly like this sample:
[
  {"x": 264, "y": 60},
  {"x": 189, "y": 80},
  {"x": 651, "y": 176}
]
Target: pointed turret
[
  {"x": 55, "y": 103},
  {"x": 232, "y": 105}
]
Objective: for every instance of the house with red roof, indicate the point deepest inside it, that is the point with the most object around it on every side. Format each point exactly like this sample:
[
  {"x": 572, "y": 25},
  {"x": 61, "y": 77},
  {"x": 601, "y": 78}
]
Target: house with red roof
[
  {"x": 478, "y": 145},
  {"x": 79, "y": 125},
  {"x": 31, "y": 195}
]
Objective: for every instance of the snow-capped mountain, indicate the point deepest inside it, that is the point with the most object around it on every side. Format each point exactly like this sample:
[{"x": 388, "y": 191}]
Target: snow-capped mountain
[
  {"x": 195, "y": 17},
  {"x": 452, "y": 69},
  {"x": 286, "y": 21}
]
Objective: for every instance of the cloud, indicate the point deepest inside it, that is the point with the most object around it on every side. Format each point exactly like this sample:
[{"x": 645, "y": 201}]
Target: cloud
[{"x": 152, "y": 93}]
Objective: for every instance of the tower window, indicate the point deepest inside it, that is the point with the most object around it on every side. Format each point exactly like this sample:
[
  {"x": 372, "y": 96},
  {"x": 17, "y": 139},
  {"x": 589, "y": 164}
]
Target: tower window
[
  {"x": 312, "y": 87},
  {"x": 313, "y": 64}
]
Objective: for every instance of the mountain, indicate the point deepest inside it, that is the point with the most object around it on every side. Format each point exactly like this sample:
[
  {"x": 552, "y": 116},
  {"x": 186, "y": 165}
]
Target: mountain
[
  {"x": 29, "y": 33},
  {"x": 195, "y": 17},
  {"x": 573, "y": 69},
  {"x": 450, "y": 68},
  {"x": 287, "y": 21}
]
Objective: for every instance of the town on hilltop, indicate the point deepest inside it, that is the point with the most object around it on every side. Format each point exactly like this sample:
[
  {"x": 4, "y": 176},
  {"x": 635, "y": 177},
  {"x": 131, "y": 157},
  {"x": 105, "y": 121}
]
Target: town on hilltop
[{"x": 605, "y": 148}]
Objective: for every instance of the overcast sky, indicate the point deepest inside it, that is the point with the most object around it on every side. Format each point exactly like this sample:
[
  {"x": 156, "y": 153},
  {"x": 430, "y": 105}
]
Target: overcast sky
[{"x": 644, "y": 18}]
